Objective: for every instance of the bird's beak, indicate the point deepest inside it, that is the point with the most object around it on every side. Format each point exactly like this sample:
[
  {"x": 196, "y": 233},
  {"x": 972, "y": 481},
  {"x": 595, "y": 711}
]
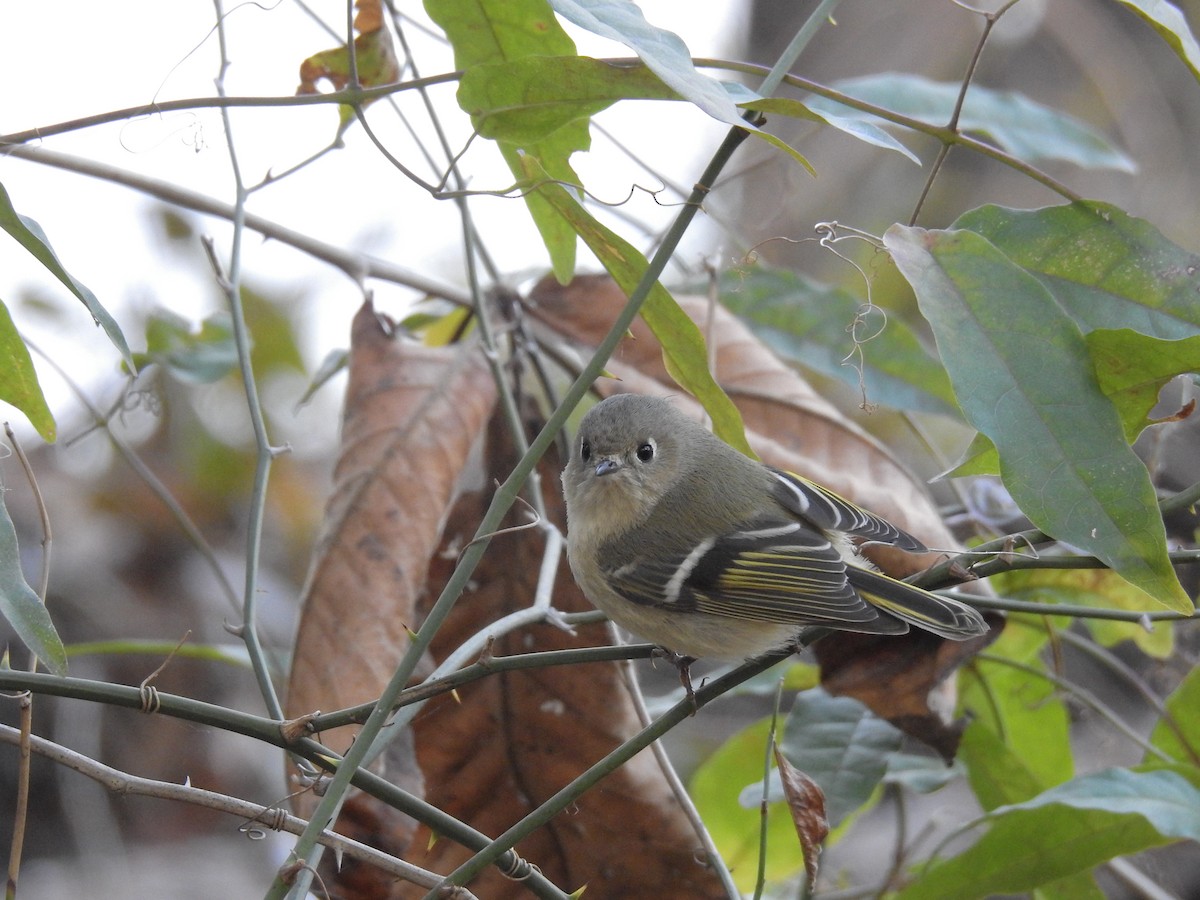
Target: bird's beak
[{"x": 607, "y": 467}]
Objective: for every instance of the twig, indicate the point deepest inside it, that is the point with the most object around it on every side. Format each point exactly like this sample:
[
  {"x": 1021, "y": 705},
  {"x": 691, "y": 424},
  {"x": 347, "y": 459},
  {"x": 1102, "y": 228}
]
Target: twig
[
  {"x": 674, "y": 782},
  {"x": 125, "y": 784},
  {"x": 43, "y": 516},
  {"x": 685, "y": 708},
  {"x": 357, "y": 266},
  {"x": 1113, "y": 663},
  {"x": 939, "y": 132},
  {"x": 990, "y": 20},
  {"x": 23, "y": 739},
  {"x": 232, "y": 287},
  {"x": 25, "y": 702}
]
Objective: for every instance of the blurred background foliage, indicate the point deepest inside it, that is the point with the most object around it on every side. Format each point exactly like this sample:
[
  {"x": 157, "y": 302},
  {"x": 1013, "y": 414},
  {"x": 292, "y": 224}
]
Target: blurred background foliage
[{"x": 124, "y": 570}]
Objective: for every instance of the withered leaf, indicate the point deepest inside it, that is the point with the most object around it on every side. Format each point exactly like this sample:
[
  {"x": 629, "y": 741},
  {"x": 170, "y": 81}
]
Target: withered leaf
[
  {"x": 806, "y": 803},
  {"x": 412, "y": 415},
  {"x": 375, "y": 60}
]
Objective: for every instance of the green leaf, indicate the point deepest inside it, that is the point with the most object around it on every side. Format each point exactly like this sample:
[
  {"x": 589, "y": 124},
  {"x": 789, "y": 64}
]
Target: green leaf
[
  {"x": 1093, "y": 587},
  {"x": 683, "y": 347},
  {"x": 1132, "y": 369},
  {"x": 19, "y": 384},
  {"x": 557, "y": 234},
  {"x": 921, "y": 774},
  {"x": 842, "y": 746},
  {"x": 29, "y": 235},
  {"x": 1172, "y": 27},
  {"x": 494, "y": 31},
  {"x": 715, "y": 788},
  {"x": 980, "y": 458},
  {"x": 663, "y": 52},
  {"x": 198, "y": 356},
  {"x": 1106, "y": 268},
  {"x": 1024, "y": 712},
  {"x": 1083, "y": 823},
  {"x": 1023, "y": 377},
  {"x": 335, "y": 361},
  {"x": 525, "y": 100},
  {"x": 233, "y": 654},
  {"x": 998, "y": 775},
  {"x": 1178, "y": 734},
  {"x": 1012, "y": 121},
  {"x": 20, "y": 605},
  {"x": 375, "y": 64},
  {"x": 275, "y": 344},
  {"x": 808, "y": 322},
  {"x": 866, "y": 131},
  {"x": 528, "y": 100}
]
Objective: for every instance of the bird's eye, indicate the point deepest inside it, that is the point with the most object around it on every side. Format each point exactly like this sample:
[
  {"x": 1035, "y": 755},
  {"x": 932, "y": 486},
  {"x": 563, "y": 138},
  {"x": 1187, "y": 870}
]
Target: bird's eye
[
  {"x": 645, "y": 452},
  {"x": 585, "y": 451}
]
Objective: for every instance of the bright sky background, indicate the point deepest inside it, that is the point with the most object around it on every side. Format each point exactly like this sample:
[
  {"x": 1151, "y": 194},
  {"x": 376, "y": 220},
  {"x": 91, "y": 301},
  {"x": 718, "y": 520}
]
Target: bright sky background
[{"x": 80, "y": 58}]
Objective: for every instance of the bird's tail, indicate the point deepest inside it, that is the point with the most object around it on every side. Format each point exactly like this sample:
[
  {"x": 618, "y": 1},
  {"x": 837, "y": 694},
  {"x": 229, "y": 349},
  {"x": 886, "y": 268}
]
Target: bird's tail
[{"x": 949, "y": 618}]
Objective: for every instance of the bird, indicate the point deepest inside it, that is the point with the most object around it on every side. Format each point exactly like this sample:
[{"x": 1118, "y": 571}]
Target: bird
[{"x": 690, "y": 544}]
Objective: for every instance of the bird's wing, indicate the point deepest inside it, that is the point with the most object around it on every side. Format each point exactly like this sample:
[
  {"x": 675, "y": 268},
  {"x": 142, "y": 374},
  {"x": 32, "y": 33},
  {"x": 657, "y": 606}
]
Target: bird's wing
[
  {"x": 828, "y": 511},
  {"x": 771, "y": 569}
]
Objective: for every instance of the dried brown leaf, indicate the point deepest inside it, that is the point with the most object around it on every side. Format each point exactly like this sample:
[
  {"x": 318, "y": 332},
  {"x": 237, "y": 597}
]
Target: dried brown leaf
[
  {"x": 375, "y": 60},
  {"x": 412, "y": 415},
  {"x": 806, "y": 803}
]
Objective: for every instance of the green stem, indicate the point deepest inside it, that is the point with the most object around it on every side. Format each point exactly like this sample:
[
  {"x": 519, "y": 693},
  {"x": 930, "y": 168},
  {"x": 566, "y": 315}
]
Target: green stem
[
  {"x": 1074, "y": 611},
  {"x": 356, "y": 715},
  {"x": 793, "y": 50},
  {"x": 232, "y": 285}
]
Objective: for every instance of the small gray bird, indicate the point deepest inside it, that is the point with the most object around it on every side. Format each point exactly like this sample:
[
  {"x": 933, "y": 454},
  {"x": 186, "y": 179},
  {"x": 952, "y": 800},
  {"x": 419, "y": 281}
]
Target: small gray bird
[{"x": 686, "y": 542}]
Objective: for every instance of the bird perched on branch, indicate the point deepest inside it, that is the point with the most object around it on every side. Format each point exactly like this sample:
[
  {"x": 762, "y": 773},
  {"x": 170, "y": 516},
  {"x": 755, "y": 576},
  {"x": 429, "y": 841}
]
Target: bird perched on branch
[{"x": 686, "y": 542}]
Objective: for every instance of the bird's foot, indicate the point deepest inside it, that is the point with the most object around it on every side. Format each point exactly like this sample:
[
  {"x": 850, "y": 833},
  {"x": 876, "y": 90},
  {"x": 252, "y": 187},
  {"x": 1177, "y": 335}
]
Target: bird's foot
[{"x": 684, "y": 665}]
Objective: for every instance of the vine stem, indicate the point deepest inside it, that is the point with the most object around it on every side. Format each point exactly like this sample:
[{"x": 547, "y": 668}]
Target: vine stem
[
  {"x": 25, "y": 701},
  {"x": 257, "y": 818},
  {"x": 356, "y": 266},
  {"x": 232, "y": 287}
]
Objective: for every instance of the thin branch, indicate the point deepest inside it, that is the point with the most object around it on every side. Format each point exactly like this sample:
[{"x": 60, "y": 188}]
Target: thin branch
[
  {"x": 674, "y": 782},
  {"x": 939, "y": 132},
  {"x": 232, "y": 288},
  {"x": 352, "y": 97},
  {"x": 256, "y": 818},
  {"x": 619, "y": 756},
  {"x": 268, "y": 731},
  {"x": 357, "y": 266},
  {"x": 23, "y": 739},
  {"x": 990, "y": 20},
  {"x": 485, "y": 666},
  {"x": 1077, "y": 612},
  {"x": 348, "y": 97},
  {"x": 39, "y": 503}
]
